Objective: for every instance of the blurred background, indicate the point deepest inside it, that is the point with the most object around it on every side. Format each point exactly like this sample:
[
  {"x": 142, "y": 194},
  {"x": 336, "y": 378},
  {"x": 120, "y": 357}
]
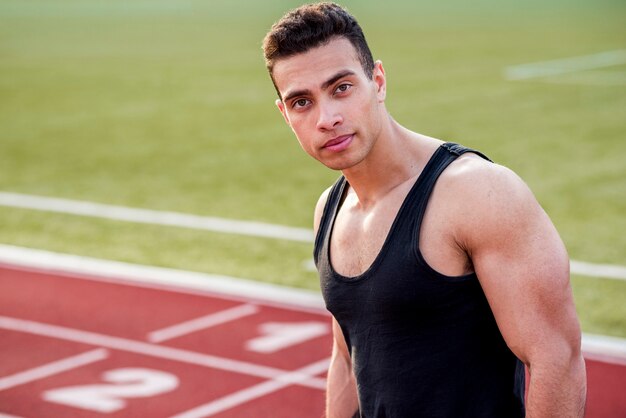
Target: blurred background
[{"x": 166, "y": 105}]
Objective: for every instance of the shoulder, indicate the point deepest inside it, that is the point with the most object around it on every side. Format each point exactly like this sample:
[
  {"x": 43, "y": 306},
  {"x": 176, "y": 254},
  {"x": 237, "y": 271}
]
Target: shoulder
[
  {"x": 480, "y": 183},
  {"x": 490, "y": 199},
  {"x": 470, "y": 168},
  {"x": 496, "y": 220},
  {"x": 319, "y": 209},
  {"x": 323, "y": 200}
]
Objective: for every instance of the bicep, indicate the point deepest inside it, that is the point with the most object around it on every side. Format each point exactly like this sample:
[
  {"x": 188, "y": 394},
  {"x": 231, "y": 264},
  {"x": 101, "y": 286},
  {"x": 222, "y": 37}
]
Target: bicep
[{"x": 523, "y": 268}]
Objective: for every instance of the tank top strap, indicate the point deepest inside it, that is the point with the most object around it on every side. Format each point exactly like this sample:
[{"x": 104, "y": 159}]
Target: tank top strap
[
  {"x": 414, "y": 205},
  {"x": 459, "y": 150},
  {"x": 328, "y": 216},
  {"x": 441, "y": 159}
]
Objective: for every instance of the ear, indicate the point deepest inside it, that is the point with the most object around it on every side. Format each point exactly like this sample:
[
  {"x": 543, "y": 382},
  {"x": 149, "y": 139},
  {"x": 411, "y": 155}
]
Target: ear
[
  {"x": 281, "y": 107},
  {"x": 380, "y": 80}
]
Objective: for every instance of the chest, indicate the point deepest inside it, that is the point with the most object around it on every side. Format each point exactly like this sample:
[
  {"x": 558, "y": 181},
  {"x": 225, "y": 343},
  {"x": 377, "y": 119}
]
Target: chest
[{"x": 358, "y": 236}]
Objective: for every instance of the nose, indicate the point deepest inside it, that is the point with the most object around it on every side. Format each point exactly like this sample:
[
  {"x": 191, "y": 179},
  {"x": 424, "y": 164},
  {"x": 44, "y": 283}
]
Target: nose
[{"x": 328, "y": 118}]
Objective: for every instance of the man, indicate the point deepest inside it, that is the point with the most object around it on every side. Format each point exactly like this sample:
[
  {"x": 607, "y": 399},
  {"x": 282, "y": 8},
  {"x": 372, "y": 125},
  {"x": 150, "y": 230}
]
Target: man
[{"x": 443, "y": 274}]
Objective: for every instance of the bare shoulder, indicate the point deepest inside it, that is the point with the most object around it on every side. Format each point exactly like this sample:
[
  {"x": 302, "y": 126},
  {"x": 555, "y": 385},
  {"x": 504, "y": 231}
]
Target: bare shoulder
[
  {"x": 491, "y": 206},
  {"x": 501, "y": 223},
  {"x": 481, "y": 190},
  {"x": 473, "y": 173},
  {"x": 319, "y": 209}
]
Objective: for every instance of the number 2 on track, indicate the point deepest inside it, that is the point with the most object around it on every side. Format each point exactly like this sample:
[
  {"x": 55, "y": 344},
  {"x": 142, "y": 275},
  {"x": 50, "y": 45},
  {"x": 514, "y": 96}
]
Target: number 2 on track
[{"x": 122, "y": 384}]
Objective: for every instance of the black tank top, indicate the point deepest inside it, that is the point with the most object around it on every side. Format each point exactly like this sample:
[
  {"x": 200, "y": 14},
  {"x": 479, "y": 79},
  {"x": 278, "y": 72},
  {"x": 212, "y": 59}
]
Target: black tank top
[{"x": 422, "y": 344}]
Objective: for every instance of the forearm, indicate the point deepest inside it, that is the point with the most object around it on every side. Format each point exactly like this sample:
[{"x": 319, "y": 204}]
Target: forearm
[
  {"x": 557, "y": 388},
  {"x": 341, "y": 395}
]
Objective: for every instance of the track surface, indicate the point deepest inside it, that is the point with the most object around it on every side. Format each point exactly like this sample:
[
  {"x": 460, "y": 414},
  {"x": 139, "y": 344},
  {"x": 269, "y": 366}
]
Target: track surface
[{"x": 76, "y": 346}]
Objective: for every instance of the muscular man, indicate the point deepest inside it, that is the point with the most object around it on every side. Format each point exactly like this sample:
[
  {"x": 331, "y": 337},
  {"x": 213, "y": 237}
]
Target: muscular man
[{"x": 443, "y": 274}]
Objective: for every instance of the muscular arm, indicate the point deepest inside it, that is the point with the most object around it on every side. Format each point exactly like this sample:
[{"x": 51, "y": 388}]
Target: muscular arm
[
  {"x": 341, "y": 395},
  {"x": 523, "y": 268}
]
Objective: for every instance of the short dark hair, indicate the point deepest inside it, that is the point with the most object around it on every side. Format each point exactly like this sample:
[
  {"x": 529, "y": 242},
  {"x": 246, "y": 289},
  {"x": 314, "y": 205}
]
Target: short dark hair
[{"x": 310, "y": 26}]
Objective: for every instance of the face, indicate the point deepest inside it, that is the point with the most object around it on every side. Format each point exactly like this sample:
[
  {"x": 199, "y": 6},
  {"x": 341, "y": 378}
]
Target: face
[{"x": 332, "y": 106}]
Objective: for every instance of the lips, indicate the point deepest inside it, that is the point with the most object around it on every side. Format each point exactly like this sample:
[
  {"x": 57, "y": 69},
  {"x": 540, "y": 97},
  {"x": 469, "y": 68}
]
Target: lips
[{"x": 339, "y": 143}]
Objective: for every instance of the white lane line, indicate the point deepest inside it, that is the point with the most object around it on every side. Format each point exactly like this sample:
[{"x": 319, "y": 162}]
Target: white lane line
[
  {"x": 50, "y": 369},
  {"x": 604, "y": 348},
  {"x": 598, "y": 270},
  {"x": 204, "y": 322},
  {"x": 86, "y": 268},
  {"x": 152, "y": 350},
  {"x": 253, "y": 392},
  {"x": 147, "y": 216},
  {"x": 605, "y": 359},
  {"x": 230, "y": 226},
  {"x": 590, "y": 78},
  {"x": 565, "y": 65}
]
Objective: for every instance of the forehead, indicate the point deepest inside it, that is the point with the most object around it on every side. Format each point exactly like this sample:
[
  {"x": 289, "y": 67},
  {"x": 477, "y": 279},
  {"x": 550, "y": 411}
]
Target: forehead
[{"x": 311, "y": 68}]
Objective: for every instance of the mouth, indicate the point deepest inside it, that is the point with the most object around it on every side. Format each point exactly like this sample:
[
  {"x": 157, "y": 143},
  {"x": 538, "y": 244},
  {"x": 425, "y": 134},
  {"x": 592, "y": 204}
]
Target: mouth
[{"x": 339, "y": 143}]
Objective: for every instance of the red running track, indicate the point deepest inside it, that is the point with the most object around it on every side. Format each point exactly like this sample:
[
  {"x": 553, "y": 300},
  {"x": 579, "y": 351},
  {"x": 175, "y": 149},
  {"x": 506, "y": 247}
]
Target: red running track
[{"x": 75, "y": 346}]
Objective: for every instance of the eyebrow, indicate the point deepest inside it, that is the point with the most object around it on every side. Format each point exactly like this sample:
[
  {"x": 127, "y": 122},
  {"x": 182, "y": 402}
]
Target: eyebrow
[{"x": 324, "y": 86}]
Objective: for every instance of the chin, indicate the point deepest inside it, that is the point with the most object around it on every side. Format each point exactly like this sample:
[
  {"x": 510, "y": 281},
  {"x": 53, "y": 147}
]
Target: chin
[
  {"x": 339, "y": 164},
  {"x": 336, "y": 167}
]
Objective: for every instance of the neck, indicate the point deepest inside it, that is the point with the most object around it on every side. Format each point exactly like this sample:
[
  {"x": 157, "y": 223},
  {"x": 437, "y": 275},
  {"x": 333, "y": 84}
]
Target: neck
[{"x": 398, "y": 156}]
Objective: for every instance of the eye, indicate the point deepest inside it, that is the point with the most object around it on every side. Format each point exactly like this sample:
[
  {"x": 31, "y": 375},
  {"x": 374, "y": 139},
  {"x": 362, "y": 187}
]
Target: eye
[
  {"x": 300, "y": 103},
  {"x": 342, "y": 88}
]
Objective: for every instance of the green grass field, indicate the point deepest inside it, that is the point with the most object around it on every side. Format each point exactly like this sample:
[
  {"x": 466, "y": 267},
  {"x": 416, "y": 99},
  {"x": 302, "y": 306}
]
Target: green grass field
[{"x": 166, "y": 105}]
